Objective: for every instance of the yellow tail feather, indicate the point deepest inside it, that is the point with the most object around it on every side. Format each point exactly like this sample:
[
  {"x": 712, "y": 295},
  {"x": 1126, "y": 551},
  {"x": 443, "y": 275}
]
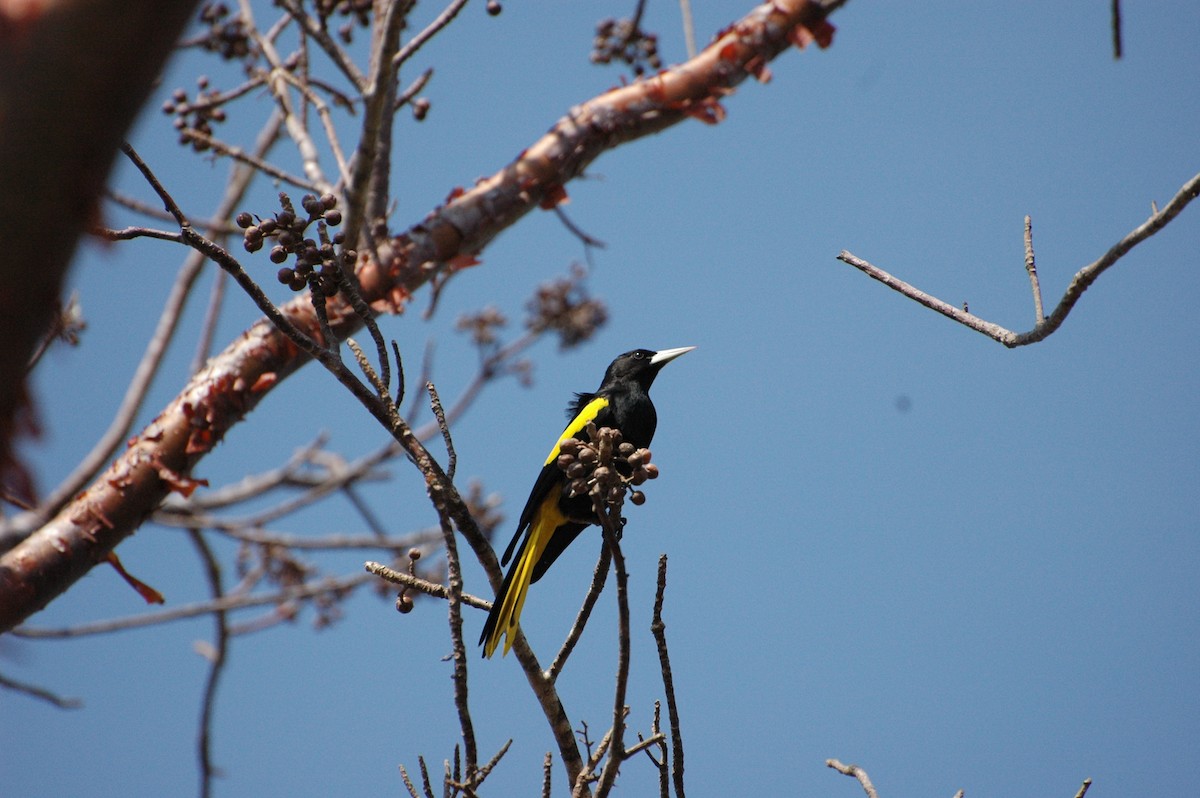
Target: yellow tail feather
[{"x": 541, "y": 529}]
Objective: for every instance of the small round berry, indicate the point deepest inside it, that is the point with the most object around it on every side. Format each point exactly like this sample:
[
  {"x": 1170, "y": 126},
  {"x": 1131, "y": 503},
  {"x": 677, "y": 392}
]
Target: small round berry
[
  {"x": 278, "y": 254},
  {"x": 244, "y": 220},
  {"x": 285, "y": 275},
  {"x": 333, "y": 218},
  {"x": 637, "y": 497}
]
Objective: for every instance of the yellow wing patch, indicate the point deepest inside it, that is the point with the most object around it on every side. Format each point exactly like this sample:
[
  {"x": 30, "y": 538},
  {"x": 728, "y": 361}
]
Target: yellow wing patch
[{"x": 588, "y": 413}]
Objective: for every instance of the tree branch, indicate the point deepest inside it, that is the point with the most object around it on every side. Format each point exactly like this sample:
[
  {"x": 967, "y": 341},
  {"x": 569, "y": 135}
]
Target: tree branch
[
  {"x": 233, "y": 382},
  {"x": 1082, "y": 280}
]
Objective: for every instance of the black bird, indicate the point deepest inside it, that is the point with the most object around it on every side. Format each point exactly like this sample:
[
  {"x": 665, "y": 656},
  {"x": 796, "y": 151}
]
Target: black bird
[{"x": 551, "y": 520}]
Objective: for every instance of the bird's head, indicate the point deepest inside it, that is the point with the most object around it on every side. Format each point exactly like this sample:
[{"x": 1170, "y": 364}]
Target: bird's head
[{"x": 642, "y": 365}]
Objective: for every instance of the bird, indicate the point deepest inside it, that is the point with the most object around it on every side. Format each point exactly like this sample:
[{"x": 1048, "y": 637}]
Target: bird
[{"x": 551, "y": 519}]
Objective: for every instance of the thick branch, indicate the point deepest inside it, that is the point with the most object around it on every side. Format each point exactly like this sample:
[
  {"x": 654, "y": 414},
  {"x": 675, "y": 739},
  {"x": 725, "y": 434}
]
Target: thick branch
[{"x": 160, "y": 458}]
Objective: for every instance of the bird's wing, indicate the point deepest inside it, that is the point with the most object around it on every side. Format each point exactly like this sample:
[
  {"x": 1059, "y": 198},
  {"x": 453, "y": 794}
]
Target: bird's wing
[{"x": 551, "y": 475}]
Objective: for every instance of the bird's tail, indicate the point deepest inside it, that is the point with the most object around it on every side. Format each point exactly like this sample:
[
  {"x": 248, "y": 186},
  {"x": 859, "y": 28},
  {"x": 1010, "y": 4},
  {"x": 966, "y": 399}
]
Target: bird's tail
[{"x": 505, "y": 616}]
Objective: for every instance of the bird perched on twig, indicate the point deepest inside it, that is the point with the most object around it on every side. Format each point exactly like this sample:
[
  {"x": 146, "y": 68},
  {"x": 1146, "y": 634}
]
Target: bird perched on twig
[{"x": 555, "y": 513}]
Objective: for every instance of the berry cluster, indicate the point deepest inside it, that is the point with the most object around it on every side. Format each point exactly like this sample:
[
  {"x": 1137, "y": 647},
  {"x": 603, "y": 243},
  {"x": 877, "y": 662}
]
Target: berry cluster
[
  {"x": 360, "y": 10},
  {"x": 318, "y": 261},
  {"x": 227, "y": 36},
  {"x": 483, "y": 326},
  {"x": 621, "y": 40},
  {"x": 563, "y": 305},
  {"x": 197, "y": 116},
  {"x": 605, "y": 467}
]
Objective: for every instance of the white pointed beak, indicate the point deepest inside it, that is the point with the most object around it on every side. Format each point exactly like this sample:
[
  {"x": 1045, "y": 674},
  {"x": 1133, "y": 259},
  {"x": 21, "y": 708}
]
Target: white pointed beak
[{"x": 667, "y": 355}]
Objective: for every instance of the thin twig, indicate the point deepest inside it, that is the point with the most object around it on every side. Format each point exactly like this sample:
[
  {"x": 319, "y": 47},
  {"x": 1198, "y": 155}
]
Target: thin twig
[
  {"x": 689, "y": 28},
  {"x": 332, "y": 586},
  {"x": 645, "y": 744},
  {"x": 336, "y": 53},
  {"x": 425, "y": 777},
  {"x": 1116, "y": 29},
  {"x": 611, "y": 527},
  {"x": 454, "y": 599},
  {"x": 130, "y": 233},
  {"x": 220, "y": 650},
  {"x": 423, "y": 585},
  {"x": 599, "y": 577},
  {"x": 856, "y": 772},
  {"x": 40, "y": 693},
  {"x": 1031, "y": 268},
  {"x": 659, "y": 629},
  {"x": 293, "y": 122},
  {"x": 1087, "y": 784},
  {"x": 417, "y": 42},
  {"x": 439, "y": 413},
  {"x": 412, "y": 789},
  {"x": 238, "y": 154},
  {"x": 414, "y": 88}
]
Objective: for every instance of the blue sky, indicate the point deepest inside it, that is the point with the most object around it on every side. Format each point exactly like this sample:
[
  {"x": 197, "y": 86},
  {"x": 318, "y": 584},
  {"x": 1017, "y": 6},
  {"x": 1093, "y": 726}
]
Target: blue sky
[{"x": 891, "y": 540}]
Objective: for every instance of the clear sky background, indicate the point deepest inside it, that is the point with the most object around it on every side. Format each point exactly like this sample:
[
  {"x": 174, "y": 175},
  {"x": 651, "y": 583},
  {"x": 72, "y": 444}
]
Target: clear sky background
[{"x": 891, "y": 540}]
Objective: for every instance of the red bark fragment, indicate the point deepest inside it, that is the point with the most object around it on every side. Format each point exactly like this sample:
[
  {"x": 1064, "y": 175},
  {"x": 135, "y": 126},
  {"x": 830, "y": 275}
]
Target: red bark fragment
[
  {"x": 149, "y": 594},
  {"x": 265, "y": 382},
  {"x": 554, "y": 196},
  {"x": 183, "y": 485}
]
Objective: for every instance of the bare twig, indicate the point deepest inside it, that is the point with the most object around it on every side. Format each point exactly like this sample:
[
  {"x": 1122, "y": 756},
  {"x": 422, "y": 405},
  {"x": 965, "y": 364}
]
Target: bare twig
[
  {"x": 856, "y": 772},
  {"x": 412, "y": 789},
  {"x": 321, "y": 36},
  {"x": 689, "y": 28},
  {"x": 1087, "y": 784},
  {"x": 454, "y": 598},
  {"x": 1116, "y": 29},
  {"x": 599, "y": 577},
  {"x": 226, "y": 603},
  {"x": 40, "y": 693},
  {"x": 423, "y": 585},
  {"x": 1082, "y": 280},
  {"x": 217, "y": 661},
  {"x": 255, "y": 161},
  {"x": 659, "y": 629},
  {"x": 1031, "y": 267},
  {"x": 611, "y": 527},
  {"x": 439, "y": 413},
  {"x": 417, "y": 42}
]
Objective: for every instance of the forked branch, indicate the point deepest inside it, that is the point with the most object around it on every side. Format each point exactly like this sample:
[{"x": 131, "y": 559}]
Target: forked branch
[{"x": 1082, "y": 280}]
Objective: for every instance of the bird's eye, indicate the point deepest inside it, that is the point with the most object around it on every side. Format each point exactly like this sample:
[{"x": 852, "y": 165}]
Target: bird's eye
[{"x": 637, "y": 355}]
